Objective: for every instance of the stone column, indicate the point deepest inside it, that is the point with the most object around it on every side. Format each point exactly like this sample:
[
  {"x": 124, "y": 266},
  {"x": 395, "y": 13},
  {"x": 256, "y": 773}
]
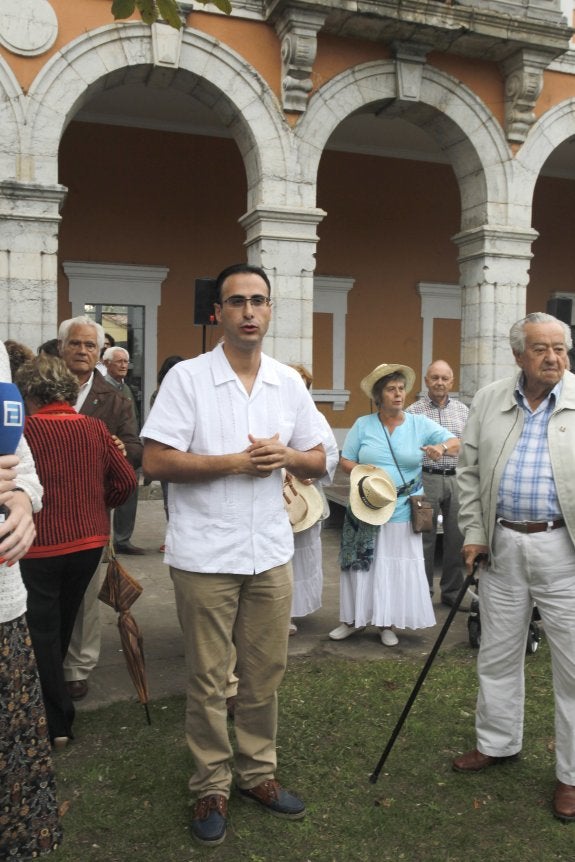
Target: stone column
[
  {"x": 29, "y": 221},
  {"x": 282, "y": 240},
  {"x": 494, "y": 265}
]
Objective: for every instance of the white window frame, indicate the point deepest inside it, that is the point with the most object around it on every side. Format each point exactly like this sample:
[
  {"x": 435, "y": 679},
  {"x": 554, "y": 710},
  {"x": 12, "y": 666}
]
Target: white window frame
[
  {"x": 330, "y": 297},
  {"x": 438, "y": 301}
]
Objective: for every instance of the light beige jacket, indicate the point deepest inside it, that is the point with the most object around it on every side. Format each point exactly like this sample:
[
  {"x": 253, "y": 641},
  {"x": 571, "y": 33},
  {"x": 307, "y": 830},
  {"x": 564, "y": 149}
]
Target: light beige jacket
[{"x": 492, "y": 431}]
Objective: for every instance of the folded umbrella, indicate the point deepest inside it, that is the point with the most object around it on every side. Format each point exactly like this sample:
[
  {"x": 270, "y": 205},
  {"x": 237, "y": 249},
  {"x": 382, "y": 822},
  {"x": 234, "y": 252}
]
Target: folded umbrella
[{"x": 120, "y": 590}]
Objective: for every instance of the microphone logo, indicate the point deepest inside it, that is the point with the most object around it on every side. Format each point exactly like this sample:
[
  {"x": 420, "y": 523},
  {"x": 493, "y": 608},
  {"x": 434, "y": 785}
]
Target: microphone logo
[{"x": 13, "y": 414}]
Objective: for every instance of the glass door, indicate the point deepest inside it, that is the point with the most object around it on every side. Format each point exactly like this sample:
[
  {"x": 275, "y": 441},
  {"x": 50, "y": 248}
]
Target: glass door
[{"x": 126, "y": 325}]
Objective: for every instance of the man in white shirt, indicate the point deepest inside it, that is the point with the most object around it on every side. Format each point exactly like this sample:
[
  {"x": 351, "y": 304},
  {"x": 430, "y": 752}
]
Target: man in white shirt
[{"x": 221, "y": 429}]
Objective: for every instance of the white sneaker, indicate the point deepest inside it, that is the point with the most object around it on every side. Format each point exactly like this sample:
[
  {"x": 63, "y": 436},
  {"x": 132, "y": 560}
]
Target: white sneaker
[
  {"x": 389, "y": 638},
  {"x": 343, "y": 631},
  {"x": 292, "y": 629}
]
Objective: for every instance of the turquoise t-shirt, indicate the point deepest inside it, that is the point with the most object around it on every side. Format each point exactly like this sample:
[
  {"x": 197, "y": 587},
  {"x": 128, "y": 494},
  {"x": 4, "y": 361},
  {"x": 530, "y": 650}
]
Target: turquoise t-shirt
[{"x": 366, "y": 443}]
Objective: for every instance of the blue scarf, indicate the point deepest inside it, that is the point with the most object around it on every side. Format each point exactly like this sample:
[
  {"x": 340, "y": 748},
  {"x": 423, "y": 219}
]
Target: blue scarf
[{"x": 357, "y": 543}]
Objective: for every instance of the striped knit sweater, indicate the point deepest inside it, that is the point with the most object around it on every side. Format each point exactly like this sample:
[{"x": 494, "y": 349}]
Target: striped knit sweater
[{"x": 83, "y": 474}]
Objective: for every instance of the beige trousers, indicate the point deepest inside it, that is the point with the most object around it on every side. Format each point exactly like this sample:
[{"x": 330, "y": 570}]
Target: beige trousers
[
  {"x": 215, "y": 612},
  {"x": 84, "y": 650}
]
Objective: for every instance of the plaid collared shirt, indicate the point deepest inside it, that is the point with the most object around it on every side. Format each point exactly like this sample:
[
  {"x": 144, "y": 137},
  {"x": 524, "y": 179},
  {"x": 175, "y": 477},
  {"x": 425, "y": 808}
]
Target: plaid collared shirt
[
  {"x": 451, "y": 416},
  {"x": 527, "y": 488}
]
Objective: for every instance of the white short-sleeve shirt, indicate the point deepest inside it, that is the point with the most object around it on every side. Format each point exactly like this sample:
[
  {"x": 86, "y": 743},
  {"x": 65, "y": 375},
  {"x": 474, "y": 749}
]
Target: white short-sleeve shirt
[{"x": 235, "y": 524}]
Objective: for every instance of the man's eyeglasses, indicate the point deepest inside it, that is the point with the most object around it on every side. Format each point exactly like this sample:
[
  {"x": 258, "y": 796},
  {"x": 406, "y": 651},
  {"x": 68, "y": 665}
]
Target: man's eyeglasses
[{"x": 237, "y": 301}]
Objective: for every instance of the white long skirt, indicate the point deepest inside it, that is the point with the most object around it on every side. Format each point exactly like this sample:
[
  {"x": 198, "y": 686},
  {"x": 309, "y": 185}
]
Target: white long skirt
[
  {"x": 307, "y": 572},
  {"x": 394, "y": 592}
]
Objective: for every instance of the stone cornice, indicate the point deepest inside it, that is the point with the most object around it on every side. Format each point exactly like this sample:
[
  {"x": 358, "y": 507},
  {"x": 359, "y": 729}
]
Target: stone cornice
[
  {"x": 469, "y": 30},
  {"x": 30, "y": 201}
]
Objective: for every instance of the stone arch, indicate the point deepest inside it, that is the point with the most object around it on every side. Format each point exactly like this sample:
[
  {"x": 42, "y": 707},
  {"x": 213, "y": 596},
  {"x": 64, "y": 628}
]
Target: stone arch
[
  {"x": 213, "y": 73},
  {"x": 551, "y": 129},
  {"x": 11, "y": 122},
  {"x": 451, "y": 113}
]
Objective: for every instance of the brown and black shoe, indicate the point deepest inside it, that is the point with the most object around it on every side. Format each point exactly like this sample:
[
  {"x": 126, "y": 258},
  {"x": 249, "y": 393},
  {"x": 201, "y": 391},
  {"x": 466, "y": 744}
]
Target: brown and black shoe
[
  {"x": 272, "y": 796},
  {"x": 209, "y": 821}
]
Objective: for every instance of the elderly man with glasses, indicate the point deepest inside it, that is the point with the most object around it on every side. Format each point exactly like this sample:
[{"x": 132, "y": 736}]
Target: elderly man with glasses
[
  {"x": 80, "y": 340},
  {"x": 117, "y": 362},
  {"x": 221, "y": 430},
  {"x": 516, "y": 472}
]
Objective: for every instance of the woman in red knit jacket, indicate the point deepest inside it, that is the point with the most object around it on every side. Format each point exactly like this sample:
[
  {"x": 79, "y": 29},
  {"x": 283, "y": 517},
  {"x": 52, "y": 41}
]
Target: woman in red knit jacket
[{"x": 84, "y": 475}]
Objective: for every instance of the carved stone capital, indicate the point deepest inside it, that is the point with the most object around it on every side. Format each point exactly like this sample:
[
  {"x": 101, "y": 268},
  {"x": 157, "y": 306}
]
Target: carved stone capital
[
  {"x": 523, "y": 83},
  {"x": 297, "y": 30}
]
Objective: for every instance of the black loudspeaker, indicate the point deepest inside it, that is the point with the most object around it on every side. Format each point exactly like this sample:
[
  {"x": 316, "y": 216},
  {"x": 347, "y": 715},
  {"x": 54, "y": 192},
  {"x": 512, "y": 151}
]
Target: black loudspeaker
[
  {"x": 205, "y": 298},
  {"x": 560, "y": 308}
]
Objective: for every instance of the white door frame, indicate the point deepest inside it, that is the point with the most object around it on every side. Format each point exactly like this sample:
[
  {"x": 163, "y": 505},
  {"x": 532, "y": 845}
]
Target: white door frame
[{"x": 122, "y": 284}]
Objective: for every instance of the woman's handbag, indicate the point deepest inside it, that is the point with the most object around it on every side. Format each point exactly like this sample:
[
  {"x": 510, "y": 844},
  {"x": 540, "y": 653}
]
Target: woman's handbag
[
  {"x": 421, "y": 509},
  {"x": 421, "y": 514}
]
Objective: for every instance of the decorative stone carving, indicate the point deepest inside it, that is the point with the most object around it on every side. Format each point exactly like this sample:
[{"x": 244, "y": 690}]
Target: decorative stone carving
[
  {"x": 410, "y": 60},
  {"x": 523, "y": 83},
  {"x": 166, "y": 45},
  {"x": 297, "y": 29},
  {"x": 27, "y": 27}
]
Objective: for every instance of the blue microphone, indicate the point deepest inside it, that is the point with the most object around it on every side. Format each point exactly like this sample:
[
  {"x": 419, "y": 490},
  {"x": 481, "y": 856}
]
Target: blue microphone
[
  {"x": 11, "y": 425},
  {"x": 11, "y": 418}
]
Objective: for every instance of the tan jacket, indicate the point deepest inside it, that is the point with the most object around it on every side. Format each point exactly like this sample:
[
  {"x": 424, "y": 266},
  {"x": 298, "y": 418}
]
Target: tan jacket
[{"x": 492, "y": 431}]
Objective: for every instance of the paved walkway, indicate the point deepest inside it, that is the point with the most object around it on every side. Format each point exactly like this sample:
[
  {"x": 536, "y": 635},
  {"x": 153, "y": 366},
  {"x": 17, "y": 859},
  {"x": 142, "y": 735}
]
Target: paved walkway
[{"x": 156, "y": 614}]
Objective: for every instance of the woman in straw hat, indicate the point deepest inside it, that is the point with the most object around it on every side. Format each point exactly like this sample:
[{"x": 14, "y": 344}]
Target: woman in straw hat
[{"x": 383, "y": 580}]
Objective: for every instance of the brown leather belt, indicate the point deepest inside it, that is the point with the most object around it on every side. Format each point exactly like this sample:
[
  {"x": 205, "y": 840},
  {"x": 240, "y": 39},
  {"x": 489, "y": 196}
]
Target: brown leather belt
[{"x": 532, "y": 526}]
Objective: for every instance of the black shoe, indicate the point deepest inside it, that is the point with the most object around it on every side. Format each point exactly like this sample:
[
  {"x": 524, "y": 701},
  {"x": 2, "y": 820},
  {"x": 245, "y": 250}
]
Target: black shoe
[
  {"x": 77, "y": 688},
  {"x": 209, "y": 822},
  {"x": 132, "y": 550},
  {"x": 275, "y": 799}
]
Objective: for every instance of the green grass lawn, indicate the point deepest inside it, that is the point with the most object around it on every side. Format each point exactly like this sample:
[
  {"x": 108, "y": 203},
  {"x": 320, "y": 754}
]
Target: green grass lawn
[{"x": 126, "y": 783}]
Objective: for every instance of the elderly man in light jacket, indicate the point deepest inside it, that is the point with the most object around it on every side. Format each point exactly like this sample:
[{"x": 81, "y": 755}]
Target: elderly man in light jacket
[{"x": 516, "y": 475}]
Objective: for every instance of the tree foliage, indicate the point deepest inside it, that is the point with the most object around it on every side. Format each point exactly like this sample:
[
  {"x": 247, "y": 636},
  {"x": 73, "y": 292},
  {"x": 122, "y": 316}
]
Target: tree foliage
[{"x": 155, "y": 10}]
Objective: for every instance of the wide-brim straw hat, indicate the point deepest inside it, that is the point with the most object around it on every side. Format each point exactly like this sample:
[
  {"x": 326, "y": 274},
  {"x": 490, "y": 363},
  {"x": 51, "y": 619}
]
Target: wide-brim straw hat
[
  {"x": 372, "y": 494},
  {"x": 383, "y": 370},
  {"x": 303, "y": 503}
]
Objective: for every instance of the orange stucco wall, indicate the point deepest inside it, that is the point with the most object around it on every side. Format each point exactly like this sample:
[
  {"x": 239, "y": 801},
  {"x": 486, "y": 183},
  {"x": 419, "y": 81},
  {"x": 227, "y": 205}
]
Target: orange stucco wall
[
  {"x": 553, "y": 264},
  {"x": 388, "y": 225},
  {"x": 153, "y": 199}
]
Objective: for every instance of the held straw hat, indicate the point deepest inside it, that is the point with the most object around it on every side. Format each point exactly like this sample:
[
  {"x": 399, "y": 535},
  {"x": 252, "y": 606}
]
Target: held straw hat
[
  {"x": 372, "y": 494},
  {"x": 303, "y": 503},
  {"x": 383, "y": 370}
]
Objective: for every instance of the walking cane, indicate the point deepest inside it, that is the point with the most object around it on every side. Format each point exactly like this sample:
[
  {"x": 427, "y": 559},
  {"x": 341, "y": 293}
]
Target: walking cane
[{"x": 421, "y": 679}]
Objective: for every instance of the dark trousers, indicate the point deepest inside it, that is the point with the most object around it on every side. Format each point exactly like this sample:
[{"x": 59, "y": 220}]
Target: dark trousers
[
  {"x": 55, "y": 588},
  {"x": 125, "y": 519}
]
